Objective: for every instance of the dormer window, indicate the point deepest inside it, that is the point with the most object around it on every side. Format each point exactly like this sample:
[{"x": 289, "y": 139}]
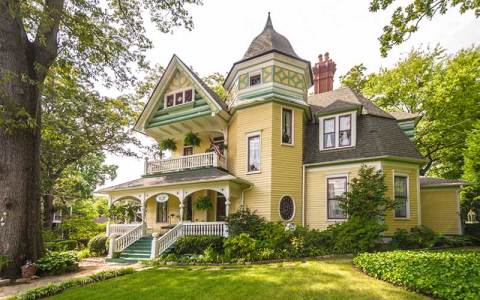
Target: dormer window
[
  {"x": 337, "y": 131},
  {"x": 179, "y": 97},
  {"x": 255, "y": 79}
]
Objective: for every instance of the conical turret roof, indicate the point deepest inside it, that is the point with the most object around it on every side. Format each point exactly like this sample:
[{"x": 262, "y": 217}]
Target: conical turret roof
[{"x": 269, "y": 40}]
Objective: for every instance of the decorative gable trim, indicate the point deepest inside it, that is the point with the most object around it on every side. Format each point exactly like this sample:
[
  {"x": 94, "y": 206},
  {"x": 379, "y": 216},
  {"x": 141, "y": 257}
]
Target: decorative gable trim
[{"x": 155, "y": 100}]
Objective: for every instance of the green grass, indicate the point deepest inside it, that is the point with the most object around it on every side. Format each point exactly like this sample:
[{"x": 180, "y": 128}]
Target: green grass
[{"x": 329, "y": 279}]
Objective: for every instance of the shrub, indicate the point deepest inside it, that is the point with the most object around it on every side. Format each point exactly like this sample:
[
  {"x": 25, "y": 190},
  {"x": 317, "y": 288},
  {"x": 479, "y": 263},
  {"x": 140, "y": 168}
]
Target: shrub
[
  {"x": 198, "y": 244},
  {"x": 245, "y": 221},
  {"x": 353, "y": 236},
  {"x": 442, "y": 274},
  {"x": 67, "y": 245},
  {"x": 417, "y": 238},
  {"x": 57, "y": 263},
  {"x": 56, "y": 288},
  {"x": 241, "y": 247},
  {"x": 98, "y": 245},
  {"x": 81, "y": 229},
  {"x": 473, "y": 230}
]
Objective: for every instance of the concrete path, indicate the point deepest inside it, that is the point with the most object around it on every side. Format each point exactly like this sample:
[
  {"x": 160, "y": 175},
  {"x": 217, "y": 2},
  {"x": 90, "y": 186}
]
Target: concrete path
[{"x": 87, "y": 267}]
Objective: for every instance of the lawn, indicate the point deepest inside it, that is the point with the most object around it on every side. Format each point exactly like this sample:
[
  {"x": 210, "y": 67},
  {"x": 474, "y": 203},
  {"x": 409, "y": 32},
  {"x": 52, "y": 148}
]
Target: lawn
[{"x": 329, "y": 279}]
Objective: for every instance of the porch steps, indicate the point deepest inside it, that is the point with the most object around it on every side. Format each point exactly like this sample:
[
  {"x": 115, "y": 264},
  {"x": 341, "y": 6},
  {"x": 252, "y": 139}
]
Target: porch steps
[{"x": 140, "y": 250}]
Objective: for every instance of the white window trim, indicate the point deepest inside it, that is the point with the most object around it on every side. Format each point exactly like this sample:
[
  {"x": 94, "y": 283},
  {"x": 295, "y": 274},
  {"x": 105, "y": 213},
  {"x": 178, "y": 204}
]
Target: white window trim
[
  {"x": 174, "y": 100},
  {"x": 248, "y": 135},
  {"x": 293, "y": 126},
  {"x": 188, "y": 146},
  {"x": 294, "y": 208},
  {"x": 353, "y": 128},
  {"x": 408, "y": 194},
  {"x": 336, "y": 175},
  {"x": 255, "y": 73}
]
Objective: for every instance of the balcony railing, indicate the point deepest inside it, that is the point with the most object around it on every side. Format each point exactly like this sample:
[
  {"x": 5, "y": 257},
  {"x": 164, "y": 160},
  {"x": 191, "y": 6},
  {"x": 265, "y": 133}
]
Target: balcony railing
[{"x": 203, "y": 160}]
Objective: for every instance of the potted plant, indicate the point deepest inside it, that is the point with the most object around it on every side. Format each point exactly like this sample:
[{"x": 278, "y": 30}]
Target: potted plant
[
  {"x": 203, "y": 203},
  {"x": 168, "y": 144},
  {"x": 28, "y": 269},
  {"x": 192, "y": 139}
]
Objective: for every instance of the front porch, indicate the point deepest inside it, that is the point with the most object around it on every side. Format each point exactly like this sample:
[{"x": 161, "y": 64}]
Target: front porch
[{"x": 193, "y": 202}]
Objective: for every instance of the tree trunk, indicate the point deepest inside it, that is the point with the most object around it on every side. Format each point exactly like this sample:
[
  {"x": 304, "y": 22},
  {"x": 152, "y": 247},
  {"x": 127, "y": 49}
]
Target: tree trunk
[
  {"x": 19, "y": 149},
  {"x": 48, "y": 211}
]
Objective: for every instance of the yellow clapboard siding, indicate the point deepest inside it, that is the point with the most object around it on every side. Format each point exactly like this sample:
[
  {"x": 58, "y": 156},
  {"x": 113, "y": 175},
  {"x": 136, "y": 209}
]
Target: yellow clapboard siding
[
  {"x": 287, "y": 163},
  {"x": 412, "y": 171},
  {"x": 440, "y": 210},
  {"x": 316, "y": 191},
  {"x": 245, "y": 121}
]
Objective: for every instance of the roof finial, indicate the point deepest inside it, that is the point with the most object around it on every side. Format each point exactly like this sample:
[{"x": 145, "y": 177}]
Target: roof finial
[{"x": 269, "y": 22}]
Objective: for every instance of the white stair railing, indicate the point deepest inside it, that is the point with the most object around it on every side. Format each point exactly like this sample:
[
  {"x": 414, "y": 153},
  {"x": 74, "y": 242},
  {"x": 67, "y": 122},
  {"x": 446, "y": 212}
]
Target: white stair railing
[
  {"x": 165, "y": 241},
  {"x": 120, "y": 228},
  {"x": 125, "y": 240},
  {"x": 160, "y": 245}
]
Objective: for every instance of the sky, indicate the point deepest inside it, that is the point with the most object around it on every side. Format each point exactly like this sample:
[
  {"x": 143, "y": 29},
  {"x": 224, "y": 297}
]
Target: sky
[{"x": 223, "y": 30}]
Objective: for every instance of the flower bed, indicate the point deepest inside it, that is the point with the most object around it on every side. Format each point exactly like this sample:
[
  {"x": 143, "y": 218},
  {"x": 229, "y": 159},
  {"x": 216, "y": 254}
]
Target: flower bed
[{"x": 441, "y": 274}]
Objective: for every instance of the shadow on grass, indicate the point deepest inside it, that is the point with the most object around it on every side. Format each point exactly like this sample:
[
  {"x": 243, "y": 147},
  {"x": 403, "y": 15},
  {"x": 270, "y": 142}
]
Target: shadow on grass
[{"x": 310, "y": 280}]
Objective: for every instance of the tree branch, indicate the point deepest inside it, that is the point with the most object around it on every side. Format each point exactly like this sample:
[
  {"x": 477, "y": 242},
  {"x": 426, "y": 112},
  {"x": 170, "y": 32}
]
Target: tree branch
[{"x": 46, "y": 44}]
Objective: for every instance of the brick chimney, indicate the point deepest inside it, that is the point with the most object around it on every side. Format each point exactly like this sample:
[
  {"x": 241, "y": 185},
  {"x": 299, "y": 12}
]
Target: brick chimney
[{"x": 323, "y": 72}]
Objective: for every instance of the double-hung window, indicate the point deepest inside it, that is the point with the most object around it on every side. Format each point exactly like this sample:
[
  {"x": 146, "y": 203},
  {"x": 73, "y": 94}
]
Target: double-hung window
[
  {"x": 253, "y": 143},
  {"x": 345, "y": 130},
  {"x": 287, "y": 126},
  {"x": 329, "y": 133},
  {"x": 336, "y": 187},
  {"x": 337, "y": 131},
  {"x": 401, "y": 196}
]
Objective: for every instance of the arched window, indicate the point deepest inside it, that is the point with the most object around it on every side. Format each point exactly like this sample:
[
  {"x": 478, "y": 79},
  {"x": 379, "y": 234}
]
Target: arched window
[{"x": 287, "y": 208}]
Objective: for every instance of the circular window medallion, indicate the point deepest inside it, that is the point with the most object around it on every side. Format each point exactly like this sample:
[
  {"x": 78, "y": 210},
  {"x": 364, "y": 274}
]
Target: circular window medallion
[{"x": 287, "y": 208}]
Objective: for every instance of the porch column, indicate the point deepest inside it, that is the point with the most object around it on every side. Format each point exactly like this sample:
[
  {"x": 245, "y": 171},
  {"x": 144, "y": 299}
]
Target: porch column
[
  {"x": 108, "y": 222},
  {"x": 181, "y": 208},
  {"x": 144, "y": 214},
  {"x": 227, "y": 205}
]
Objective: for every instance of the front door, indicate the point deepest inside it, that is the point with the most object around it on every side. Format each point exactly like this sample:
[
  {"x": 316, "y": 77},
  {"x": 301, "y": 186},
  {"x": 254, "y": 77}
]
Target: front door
[
  {"x": 220, "y": 207},
  {"x": 188, "y": 213}
]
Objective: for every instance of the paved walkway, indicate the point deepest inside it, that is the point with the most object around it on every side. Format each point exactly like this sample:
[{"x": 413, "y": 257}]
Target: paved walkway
[{"x": 87, "y": 267}]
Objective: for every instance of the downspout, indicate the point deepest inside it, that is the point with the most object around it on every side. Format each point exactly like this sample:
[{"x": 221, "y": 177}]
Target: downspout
[
  {"x": 303, "y": 195},
  {"x": 242, "y": 202}
]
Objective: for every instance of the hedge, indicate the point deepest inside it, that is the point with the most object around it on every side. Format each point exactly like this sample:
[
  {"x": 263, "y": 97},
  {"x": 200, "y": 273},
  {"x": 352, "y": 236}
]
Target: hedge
[
  {"x": 441, "y": 274},
  {"x": 198, "y": 244},
  {"x": 57, "y": 288}
]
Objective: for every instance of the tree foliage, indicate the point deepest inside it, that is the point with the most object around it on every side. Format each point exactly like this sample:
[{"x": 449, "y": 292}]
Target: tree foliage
[
  {"x": 366, "y": 197},
  {"x": 406, "y": 19},
  {"x": 215, "y": 82},
  {"x": 443, "y": 90}
]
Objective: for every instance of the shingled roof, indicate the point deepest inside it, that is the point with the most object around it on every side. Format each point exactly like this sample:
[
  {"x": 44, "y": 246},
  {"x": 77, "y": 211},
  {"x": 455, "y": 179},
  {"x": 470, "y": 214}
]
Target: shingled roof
[
  {"x": 201, "y": 175},
  {"x": 320, "y": 102},
  {"x": 269, "y": 40},
  {"x": 434, "y": 182},
  {"x": 376, "y": 136}
]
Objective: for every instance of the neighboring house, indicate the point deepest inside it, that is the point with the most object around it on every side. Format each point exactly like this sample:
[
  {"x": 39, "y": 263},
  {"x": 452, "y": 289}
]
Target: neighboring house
[{"x": 287, "y": 154}]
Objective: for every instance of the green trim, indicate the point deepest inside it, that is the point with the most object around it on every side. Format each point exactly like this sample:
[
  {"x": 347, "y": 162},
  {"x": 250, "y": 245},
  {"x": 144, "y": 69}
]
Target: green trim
[
  {"x": 441, "y": 187},
  {"x": 182, "y": 118},
  {"x": 386, "y": 158}
]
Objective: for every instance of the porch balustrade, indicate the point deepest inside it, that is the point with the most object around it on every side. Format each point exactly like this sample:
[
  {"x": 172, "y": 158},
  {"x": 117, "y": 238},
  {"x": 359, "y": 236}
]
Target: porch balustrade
[
  {"x": 120, "y": 229},
  {"x": 126, "y": 239},
  {"x": 160, "y": 245},
  {"x": 203, "y": 160}
]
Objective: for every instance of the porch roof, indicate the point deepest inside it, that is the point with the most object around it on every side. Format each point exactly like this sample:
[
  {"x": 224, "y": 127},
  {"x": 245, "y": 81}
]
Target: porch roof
[{"x": 182, "y": 177}]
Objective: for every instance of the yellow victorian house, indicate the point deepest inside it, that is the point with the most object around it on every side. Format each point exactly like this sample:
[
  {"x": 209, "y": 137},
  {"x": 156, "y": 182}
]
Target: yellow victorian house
[{"x": 272, "y": 147}]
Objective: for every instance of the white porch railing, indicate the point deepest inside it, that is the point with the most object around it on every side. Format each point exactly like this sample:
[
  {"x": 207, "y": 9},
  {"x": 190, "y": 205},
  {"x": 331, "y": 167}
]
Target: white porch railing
[
  {"x": 161, "y": 244},
  {"x": 125, "y": 240},
  {"x": 120, "y": 228},
  {"x": 210, "y": 159}
]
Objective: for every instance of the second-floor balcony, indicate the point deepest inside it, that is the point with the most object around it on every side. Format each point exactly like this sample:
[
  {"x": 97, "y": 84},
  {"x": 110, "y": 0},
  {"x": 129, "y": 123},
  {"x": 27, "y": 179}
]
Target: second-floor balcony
[{"x": 195, "y": 161}]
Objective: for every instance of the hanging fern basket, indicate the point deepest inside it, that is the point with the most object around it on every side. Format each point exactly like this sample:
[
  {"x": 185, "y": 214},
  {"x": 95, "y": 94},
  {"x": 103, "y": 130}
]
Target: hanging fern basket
[
  {"x": 168, "y": 144},
  {"x": 203, "y": 203},
  {"x": 192, "y": 139}
]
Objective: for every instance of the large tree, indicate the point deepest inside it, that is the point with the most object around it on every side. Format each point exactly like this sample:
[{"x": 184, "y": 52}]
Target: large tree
[
  {"x": 407, "y": 18},
  {"x": 443, "y": 90},
  {"x": 78, "y": 126},
  {"x": 103, "y": 41}
]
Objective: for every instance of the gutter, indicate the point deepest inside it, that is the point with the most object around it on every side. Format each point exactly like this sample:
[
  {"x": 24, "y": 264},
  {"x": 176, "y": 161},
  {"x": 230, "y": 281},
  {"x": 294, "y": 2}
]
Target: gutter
[{"x": 303, "y": 195}]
